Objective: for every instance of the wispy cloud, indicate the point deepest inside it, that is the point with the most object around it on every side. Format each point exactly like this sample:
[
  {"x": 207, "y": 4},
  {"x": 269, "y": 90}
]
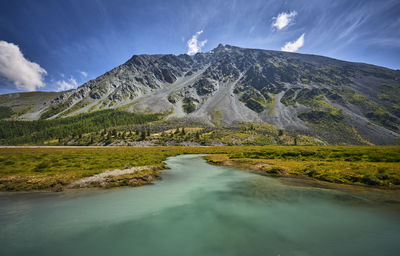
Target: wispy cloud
[
  {"x": 24, "y": 74},
  {"x": 83, "y": 73},
  {"x": 194, "y": 45},
  {"x": 67, "y": 85},
  {"x": 294, "y": 46},
  {"x": 283, "y": 19},
  {"x": 352, "y": 24}
]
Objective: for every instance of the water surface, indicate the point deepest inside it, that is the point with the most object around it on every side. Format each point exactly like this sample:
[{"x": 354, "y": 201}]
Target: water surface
[{"x": 198, "y": 209}]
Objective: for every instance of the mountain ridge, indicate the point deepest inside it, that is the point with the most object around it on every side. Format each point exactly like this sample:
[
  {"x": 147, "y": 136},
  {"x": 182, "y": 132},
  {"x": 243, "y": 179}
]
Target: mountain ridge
[{"x": 338, "y": 101}]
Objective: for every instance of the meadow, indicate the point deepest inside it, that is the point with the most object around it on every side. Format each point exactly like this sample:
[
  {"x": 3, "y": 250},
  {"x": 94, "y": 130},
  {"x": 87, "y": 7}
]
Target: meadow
[{"x": 54, "y": 168}]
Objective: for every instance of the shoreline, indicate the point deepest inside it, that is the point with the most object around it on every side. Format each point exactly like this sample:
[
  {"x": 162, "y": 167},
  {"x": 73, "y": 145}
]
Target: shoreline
[
  {"x": 261, "y": 168},
  {"x": 384, "y": 196},
  {"x": 367, "y": 194},
  {"x": 49, "y": 168}
]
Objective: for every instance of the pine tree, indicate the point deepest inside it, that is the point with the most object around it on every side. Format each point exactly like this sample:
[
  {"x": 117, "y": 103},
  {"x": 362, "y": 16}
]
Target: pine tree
[{"x": 143, "y": 135}]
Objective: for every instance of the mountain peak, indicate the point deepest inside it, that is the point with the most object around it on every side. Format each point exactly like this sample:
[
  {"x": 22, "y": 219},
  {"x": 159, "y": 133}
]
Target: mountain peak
[
  {"x": 304, "y": 93},
  {"x": 222, "y": 47}
]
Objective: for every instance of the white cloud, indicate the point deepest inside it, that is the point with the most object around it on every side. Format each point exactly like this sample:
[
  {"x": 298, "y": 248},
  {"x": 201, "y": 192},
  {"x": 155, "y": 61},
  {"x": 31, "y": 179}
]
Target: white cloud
[
  {"x": 283, "y": 19},
  {"x": 24, "y": 74},
  {"x": 83, "y": 73},
  {"x": 194, "y": 46},
  {"x": 294, "y": 46},
  {"x": 67, "y": 85}
]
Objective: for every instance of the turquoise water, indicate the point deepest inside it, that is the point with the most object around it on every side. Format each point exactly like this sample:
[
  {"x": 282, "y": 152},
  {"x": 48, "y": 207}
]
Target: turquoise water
[{"x": 198, "y": 209}]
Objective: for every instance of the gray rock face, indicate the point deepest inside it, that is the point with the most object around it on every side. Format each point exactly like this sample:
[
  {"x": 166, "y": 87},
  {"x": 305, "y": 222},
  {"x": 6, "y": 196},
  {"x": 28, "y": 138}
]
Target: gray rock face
[{"x": 335, "y": 100}]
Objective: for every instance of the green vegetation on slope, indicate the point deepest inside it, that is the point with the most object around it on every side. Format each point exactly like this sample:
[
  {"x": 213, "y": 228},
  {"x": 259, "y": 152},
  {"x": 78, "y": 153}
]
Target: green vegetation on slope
[
  {"x": 252, "y": 98},
  {"x": 76, "y": 107},
  {"x": 313, "y": 98},
  {"x": 289, "y": 97},
  {"x": 37, "y": 132},
  {"x": 326, "y": 117},
  {"x": 56, "y": 109},
  {"x": 333, "y": 127},
  {"x": 5, "y": 112},
  {"x": 188, "y": 105},
  {"x": 373, "y": 111},
  {"x": 166, "y": 134},
  {"x": 390, "y": 95}
]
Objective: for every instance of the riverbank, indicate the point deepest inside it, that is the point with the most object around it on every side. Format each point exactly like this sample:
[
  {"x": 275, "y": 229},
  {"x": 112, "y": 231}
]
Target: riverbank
[
  {"x": 383, "y": 175},
  {"x": 212, "y": 210},
  {"x": 58, "y": 168}
]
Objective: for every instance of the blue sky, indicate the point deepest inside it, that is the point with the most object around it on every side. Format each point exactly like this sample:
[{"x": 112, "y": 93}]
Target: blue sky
[{"x": 53, "y": 45}]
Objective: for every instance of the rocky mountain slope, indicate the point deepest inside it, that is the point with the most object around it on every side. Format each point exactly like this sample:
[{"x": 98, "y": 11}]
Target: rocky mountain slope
[{"x": 337, "y": 101}]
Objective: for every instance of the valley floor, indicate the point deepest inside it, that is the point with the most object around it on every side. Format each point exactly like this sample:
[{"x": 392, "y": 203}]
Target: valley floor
[{"x": 58, "y": 168}]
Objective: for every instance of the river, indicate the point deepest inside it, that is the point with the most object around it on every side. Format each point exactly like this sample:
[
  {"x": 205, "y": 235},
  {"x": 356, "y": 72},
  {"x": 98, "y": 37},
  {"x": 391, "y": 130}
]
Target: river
[{"x": 198, "y": 209}]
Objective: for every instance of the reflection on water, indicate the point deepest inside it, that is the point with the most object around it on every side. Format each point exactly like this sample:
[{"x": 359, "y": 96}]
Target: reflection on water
[
  {"x": 199, "y": 209},
  {"x": 271, "y": 191}
]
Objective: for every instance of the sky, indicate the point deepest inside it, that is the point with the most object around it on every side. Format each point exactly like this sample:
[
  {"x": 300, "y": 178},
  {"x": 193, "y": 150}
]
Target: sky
[{"x": 53, "y": 45}]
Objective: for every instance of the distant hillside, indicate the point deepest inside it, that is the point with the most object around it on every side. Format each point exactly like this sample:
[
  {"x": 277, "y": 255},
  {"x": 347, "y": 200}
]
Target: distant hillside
[{"x": 335, "y": 101}]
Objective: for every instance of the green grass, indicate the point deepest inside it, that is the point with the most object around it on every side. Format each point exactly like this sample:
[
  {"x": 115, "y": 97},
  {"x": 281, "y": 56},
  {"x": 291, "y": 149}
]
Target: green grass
[
  {"x": 368, "y": 166},
  {"x": 45, "y": 168},
  {"x": 48, "y": 168}
]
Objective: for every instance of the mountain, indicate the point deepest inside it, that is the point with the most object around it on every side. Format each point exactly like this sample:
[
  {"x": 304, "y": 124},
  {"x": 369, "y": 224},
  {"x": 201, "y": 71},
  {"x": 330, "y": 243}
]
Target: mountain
[{"x": 334, "y": 100}]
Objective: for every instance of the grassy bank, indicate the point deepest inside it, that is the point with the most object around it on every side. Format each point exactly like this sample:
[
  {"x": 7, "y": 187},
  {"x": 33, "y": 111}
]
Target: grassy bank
[
  {"x": 51, "y": 168},
  {"x": 55, "y": 168},
  {"x": 370, "y": 166}
]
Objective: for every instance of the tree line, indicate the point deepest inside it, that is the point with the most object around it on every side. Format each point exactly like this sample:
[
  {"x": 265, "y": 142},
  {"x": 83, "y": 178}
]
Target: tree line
[{"x": 24, "y": 132}]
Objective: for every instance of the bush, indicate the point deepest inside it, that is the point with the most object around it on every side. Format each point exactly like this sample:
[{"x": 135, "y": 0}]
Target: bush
[{"x": 40, "y": 167}]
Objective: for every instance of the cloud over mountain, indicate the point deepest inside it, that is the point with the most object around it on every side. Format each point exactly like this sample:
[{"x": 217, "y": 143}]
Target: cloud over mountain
[
  {"x": 24, "y": 74},
  {"x": 67, "y": 85},
  {"x": 294, "y": 46},
  {"x": 283, "y": 19},
  {"x": 194, "y": 45}
]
